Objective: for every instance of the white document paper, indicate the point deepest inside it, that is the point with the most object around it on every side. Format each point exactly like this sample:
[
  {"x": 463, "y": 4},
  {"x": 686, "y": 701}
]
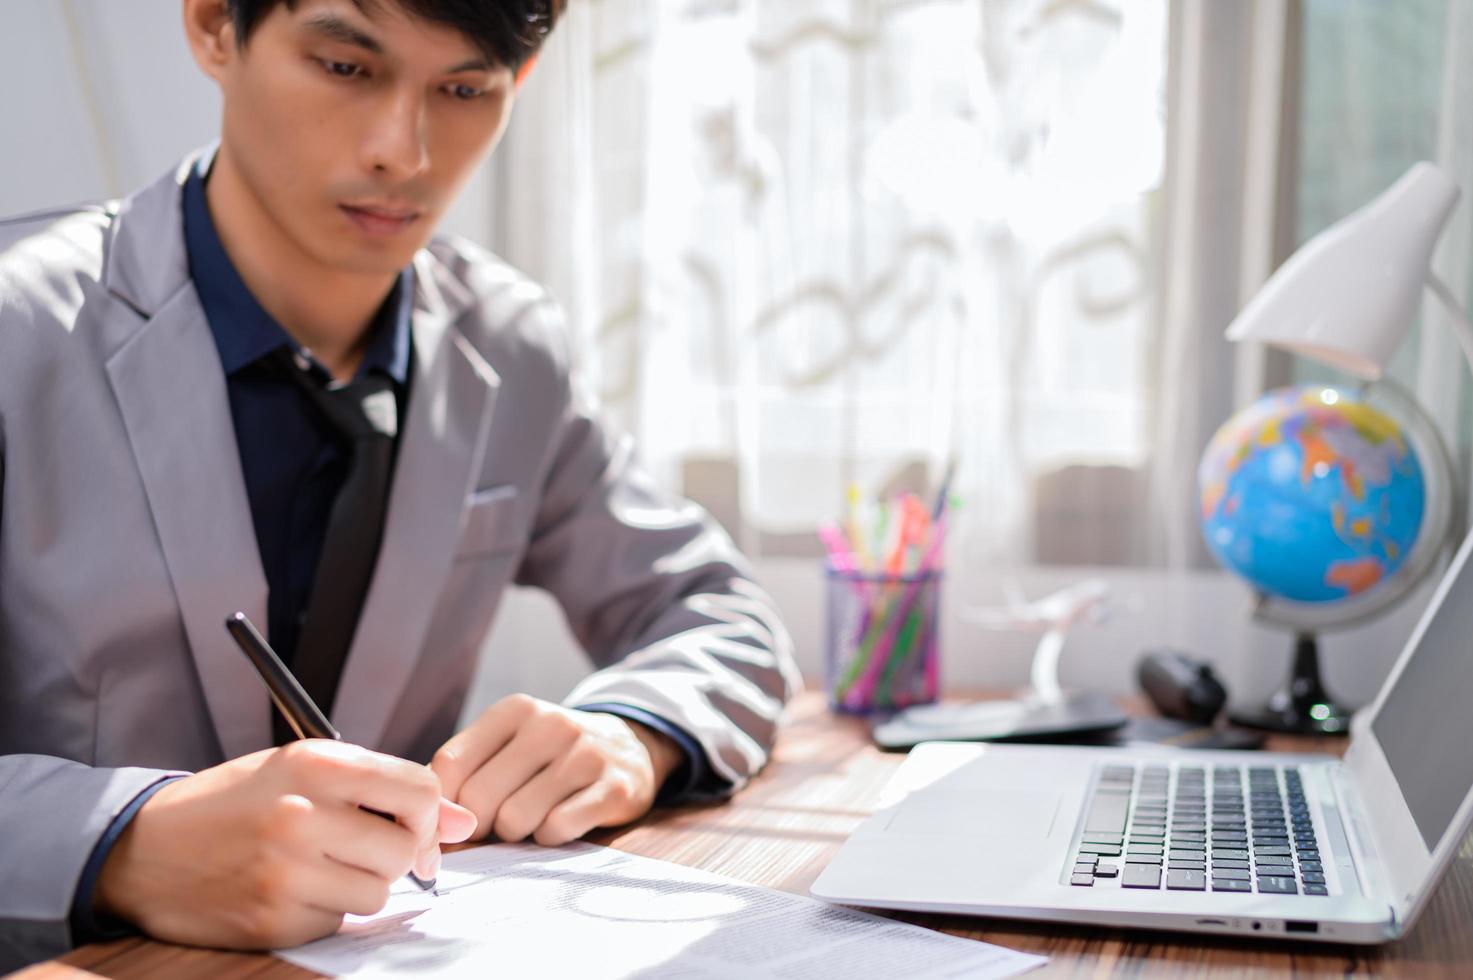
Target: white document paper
[{"x": 510, "y": 910}]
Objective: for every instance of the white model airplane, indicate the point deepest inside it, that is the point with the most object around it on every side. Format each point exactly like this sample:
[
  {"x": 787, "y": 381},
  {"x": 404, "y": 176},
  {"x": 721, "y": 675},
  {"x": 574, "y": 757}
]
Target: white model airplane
[{"x": 1053, "y": 615}]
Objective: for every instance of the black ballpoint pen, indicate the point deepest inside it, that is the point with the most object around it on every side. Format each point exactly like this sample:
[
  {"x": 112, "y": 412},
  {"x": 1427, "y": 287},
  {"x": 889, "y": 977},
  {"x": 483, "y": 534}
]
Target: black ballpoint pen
[{"x": 295, "y": 705}]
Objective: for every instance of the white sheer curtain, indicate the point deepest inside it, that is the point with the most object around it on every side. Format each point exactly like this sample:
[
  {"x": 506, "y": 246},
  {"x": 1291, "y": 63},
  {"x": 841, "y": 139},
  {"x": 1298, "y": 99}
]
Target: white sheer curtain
[{"x": 806, "y": 243}]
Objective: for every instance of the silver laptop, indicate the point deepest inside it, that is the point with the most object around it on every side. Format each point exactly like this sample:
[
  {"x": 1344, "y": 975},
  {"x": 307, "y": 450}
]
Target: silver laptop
[{"x": 1252, "y": 843}]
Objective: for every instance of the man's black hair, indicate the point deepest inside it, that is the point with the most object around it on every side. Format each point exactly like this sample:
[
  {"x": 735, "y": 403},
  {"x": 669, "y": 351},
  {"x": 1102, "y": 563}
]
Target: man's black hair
[{"x": 509, "y": 32}]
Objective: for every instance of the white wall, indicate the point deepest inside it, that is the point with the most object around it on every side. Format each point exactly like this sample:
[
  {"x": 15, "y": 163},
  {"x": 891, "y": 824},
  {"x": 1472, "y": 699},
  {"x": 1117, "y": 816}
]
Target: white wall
[{"x": 101, "y": 96}]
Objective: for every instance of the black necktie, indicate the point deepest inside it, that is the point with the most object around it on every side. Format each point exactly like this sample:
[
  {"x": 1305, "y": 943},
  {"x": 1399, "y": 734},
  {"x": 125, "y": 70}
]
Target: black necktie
[{"x": 365, "y": 413}]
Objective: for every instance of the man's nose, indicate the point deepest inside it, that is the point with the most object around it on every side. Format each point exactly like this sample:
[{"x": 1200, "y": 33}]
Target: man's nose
[{"x": 396, "y": 146}]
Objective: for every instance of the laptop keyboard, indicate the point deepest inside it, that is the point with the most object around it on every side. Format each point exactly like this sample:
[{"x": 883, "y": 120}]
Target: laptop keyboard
[{"x": 1224, "y": 829}]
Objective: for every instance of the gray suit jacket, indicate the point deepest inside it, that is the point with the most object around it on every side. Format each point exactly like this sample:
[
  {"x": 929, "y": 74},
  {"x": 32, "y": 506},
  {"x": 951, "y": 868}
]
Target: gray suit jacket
[{"x": 126, "y": 539}]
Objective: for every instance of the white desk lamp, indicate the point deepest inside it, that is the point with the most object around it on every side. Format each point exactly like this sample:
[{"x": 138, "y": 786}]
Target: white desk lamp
[{"x": 1346, "y": 298}]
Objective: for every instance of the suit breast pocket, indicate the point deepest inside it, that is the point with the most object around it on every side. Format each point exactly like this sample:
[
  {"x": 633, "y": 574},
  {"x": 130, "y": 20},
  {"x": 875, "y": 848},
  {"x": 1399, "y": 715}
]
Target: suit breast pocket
[{"x": 491, "y": 524}]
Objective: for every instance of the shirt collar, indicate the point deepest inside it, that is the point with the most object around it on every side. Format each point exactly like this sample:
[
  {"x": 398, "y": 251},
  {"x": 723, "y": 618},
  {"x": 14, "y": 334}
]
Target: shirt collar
[{"x": 244, "y": 332}]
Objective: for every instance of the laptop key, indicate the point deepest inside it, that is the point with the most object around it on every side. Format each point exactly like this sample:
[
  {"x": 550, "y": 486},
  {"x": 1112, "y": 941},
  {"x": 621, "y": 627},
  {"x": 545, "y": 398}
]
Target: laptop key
[
  {"x": 1104, "y": 850},
  {"x": 1095, "y": 838},
  {"x": 1230, "y": 854},
  {"x": 1316, "y": 890},
  {"x": 1186, "y": 880},
  {"x": 1188, "y": 865},
  {"x": 1141, "y": 876},
  {"x": 1106, "y": 870},
  {"x": 1107, "y": 813},
  {"x": 1311, "y": 866},
  {"x": 1313, "y": 878},
  {"x": 1221, "y": 884},
  {"x": 1143, "y": 859},
  {"x": 1277, "y": 886},
  {"x": 1234, "y": 874},
  {"x": 1082, "y": 880}
]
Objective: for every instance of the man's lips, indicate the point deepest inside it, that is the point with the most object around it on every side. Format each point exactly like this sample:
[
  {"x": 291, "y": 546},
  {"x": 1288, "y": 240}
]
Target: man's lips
[{"x": 380, "y": 219}]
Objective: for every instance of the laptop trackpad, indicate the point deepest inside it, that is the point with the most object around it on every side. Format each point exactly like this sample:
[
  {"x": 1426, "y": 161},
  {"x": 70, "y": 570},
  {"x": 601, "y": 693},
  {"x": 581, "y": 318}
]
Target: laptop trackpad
[{"x": 1015, "y": 814}]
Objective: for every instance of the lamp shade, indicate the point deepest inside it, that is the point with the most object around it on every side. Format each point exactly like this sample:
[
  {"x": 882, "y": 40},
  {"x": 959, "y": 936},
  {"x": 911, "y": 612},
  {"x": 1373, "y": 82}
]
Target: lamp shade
[{"x": 1348, "y": 295}]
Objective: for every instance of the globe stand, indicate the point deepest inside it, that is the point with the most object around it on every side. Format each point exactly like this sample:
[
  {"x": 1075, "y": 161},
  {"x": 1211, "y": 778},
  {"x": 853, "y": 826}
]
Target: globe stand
[{"x": 1303, "y": 706}]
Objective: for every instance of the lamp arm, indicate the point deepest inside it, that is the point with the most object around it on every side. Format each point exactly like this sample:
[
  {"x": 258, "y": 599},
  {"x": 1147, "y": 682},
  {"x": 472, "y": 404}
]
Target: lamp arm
[{"x": 1457, "y": 315}]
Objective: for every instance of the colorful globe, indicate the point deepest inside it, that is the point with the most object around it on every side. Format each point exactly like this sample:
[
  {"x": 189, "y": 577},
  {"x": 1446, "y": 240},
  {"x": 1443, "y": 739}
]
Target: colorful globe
[{"x": 1312, "y": 495}]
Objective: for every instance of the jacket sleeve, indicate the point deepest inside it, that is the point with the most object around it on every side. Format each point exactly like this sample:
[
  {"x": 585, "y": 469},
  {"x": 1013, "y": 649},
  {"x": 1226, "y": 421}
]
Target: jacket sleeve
[
  {"x": 659, "y": 597},
  {"x": 52, "y": 814}
]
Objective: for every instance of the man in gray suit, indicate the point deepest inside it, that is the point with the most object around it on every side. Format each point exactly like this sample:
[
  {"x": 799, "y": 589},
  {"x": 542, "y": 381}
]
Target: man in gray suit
[{"x": 257, "y": 385}]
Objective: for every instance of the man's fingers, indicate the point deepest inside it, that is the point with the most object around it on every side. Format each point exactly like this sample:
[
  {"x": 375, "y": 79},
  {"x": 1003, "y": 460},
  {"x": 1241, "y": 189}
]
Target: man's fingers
[
  {"x": 362, "y": 840},
  {"x": 298, "y": 925},
  {"x": 526, "y": 808},
  {"x": 353, "y": 774},
  {"x": 575, "y": 816},
  {"x": 467, "y": 751},
  {"x": 494, "y": 783},
  {"x": 427, "y": 863},
  {"x": 333, "y": 887},
  {"x": 456, "y": 822}
]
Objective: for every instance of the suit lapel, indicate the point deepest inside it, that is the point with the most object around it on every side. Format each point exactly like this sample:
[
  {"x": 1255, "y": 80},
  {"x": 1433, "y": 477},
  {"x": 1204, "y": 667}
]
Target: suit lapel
[
  {"x": 171, "y": 393},
  {"x": 451, "y": 399},
  {"x": 165, "y": 376}
]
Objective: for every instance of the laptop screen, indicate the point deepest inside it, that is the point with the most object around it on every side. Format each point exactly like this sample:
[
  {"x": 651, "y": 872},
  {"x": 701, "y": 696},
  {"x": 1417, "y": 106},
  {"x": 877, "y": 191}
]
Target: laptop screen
[{"x": 1425, "y": 725}]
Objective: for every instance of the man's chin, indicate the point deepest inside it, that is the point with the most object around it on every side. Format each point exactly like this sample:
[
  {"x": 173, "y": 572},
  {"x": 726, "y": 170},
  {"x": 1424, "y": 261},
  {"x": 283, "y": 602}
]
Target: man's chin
[{"x": 383, "y": 260}]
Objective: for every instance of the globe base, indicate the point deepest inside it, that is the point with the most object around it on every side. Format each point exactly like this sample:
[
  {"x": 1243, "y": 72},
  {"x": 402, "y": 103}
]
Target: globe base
[{"x": 1303, "y": 706}]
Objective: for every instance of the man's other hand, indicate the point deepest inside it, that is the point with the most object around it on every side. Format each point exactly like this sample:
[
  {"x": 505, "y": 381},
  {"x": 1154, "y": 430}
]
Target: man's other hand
[
  {"x": 529, "y": 768},
  {"x": 272, "y": 849}
]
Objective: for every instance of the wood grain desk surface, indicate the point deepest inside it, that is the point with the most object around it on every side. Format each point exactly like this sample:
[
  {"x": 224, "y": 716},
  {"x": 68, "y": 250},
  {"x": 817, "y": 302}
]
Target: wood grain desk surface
[{"x": 783, "y": 829}]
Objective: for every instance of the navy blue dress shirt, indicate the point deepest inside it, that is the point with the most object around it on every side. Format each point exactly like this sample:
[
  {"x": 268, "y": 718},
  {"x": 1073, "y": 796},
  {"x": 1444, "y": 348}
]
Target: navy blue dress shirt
[{"x": 294, "y": 464}]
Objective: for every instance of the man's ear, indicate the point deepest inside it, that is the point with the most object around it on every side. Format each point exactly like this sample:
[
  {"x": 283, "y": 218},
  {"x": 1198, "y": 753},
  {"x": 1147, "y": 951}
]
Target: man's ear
[
  {"x": 211, "y": 33},
  {"x": 526, "y": 70}
]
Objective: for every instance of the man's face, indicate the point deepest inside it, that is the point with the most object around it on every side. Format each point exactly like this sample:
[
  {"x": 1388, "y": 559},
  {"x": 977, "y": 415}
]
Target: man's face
[{"x": 354, "y": 129}]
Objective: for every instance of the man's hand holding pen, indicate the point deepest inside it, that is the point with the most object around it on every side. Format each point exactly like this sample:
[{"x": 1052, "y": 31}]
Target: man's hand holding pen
[{"x": 273, "y": 849}]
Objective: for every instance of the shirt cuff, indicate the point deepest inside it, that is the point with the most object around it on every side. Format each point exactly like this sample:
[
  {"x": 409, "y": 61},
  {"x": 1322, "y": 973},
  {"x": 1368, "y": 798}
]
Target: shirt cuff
[
  {"x": 87, "y": 925},
  {"x": 692, "y": 777}
]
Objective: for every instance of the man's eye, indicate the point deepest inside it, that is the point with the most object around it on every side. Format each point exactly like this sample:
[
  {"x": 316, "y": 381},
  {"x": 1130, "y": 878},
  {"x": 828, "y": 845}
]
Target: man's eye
[
  {"x": 466, "y": 92},
  {"x": 342, "y": 69}
]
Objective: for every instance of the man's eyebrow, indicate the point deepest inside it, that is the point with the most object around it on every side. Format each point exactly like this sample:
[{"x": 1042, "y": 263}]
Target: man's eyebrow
[
  {"x": 475, "y": 64},
  {"x": 334, "y": 27}
]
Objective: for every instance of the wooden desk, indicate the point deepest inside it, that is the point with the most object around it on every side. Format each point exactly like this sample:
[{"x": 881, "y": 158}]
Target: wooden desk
[{"x": 782, "y": 830}]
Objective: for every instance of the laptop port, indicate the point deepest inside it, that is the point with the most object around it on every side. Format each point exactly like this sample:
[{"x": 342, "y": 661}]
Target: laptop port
[{"x": 1295, "y": 925}]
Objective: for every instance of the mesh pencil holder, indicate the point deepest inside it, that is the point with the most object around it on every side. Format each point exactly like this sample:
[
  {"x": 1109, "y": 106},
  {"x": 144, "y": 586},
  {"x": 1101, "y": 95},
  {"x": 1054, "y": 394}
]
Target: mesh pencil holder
[{"x": 882, "y": 637}]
